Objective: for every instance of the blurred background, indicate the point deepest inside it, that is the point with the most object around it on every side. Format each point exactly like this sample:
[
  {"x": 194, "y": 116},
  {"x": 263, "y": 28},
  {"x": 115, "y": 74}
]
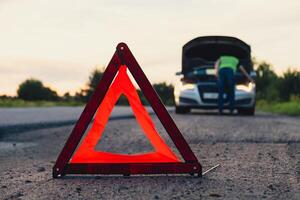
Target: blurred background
[{"x": 54, "y": 52}]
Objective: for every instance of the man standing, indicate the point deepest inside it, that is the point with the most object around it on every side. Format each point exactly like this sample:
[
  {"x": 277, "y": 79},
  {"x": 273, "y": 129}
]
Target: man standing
[{"x": 225, "y": 68}]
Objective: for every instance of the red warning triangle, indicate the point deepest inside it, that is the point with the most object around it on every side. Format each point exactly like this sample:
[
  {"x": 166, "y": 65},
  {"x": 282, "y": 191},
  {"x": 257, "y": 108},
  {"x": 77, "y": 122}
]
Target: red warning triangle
[{"x": 115, "y": 82}]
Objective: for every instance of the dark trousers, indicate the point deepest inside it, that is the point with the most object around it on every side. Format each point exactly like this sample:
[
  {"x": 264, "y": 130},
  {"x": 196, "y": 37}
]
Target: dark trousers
[{"x": 226, "y": 83}]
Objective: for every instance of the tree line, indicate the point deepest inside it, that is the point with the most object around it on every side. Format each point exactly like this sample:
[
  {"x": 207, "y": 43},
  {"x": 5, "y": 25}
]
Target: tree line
[
  {"x": 35, "y": 90},
  {"x": 277, "y": 88},
  {"x": 269, "y": 85}
]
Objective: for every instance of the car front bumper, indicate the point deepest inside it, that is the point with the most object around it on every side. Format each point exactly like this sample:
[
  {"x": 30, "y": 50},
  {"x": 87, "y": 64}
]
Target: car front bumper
[{"x": 206, "y": 96}]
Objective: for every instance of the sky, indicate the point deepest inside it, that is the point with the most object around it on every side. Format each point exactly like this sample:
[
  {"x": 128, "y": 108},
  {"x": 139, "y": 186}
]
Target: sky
[{"x": 60, "y": 42}]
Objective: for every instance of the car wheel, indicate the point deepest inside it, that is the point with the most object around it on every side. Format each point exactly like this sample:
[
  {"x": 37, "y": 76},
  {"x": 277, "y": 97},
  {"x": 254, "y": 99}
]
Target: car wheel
[
  {"x": 181, "y": 110},
  {"x": 246, "y": 111}
]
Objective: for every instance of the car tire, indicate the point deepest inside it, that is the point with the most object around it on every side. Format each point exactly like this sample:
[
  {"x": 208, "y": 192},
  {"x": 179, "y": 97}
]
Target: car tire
[
  {"x": 181, "y": 110},
  {"x": 246, "y": 111}
]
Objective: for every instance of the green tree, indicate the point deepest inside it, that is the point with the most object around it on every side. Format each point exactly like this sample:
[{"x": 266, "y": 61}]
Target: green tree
[
  {"x": 267, "y": 82},
  {"x": 93, "y": 82},
  {"x": 165, "y": 92},
  {"x": 289, "y": 84},
  {"x": 32, "y": 89},
  {"x": 67, "y": 97}
]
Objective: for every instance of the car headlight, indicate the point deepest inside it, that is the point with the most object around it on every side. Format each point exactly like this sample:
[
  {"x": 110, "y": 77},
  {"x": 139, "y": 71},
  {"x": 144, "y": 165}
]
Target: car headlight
[
  {"x": 246, "y": 88},
  {"x": 183, "y": 87},
  {"x": 188, "y": 86}
]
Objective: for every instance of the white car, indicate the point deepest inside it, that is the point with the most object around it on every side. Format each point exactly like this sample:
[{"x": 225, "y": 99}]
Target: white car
[{"x": 199, "y": 86}]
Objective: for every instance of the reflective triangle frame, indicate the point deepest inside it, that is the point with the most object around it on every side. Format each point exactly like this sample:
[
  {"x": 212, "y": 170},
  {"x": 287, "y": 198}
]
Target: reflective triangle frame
[{"x": 123, "y": 56}]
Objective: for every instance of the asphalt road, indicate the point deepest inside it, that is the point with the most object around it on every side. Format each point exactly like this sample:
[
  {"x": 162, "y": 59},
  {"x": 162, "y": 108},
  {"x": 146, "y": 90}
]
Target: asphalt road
[
  {"x": 22, "y": 116},
  {"x": 259, "y": 158},
  {"x": 15, "y": 120}
]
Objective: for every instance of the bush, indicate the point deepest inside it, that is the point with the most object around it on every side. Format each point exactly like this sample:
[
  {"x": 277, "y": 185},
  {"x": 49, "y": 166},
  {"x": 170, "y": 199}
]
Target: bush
[
  {"x": 165, "y": 92},
  {"x": 267, "y": 82},
  {"x": 290, "y": 84},
  {"x": 32, "y": 89},
  {"x": 271, "y": 87}
]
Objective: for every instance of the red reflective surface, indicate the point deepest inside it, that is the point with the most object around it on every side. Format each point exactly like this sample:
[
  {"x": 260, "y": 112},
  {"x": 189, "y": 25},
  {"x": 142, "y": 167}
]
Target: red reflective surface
[{"x": 86, "y": 152}]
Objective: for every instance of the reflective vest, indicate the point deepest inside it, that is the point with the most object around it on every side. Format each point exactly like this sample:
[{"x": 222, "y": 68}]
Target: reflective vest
[{"x": 228, "y": 62}]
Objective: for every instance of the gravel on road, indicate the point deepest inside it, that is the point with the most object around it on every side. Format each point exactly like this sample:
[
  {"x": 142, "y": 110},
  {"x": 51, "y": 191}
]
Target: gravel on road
[{"x": 259, "y": 158}]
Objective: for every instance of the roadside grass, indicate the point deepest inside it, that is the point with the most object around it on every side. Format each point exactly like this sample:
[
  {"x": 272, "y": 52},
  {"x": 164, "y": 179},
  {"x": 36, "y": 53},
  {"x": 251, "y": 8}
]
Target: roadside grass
[
  {"x": 17, "y": 103},
  {"x": 291, "y": 108}
]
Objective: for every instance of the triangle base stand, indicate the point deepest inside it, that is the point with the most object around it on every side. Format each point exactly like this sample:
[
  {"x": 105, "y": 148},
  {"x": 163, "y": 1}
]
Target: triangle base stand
[{"x": 127, "y": 169}]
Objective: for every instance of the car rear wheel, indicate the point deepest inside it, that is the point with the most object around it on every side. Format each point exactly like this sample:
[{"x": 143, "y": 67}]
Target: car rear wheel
[
  {"x": 182, "y": 110},
  {"x": 246, "y": 111}
]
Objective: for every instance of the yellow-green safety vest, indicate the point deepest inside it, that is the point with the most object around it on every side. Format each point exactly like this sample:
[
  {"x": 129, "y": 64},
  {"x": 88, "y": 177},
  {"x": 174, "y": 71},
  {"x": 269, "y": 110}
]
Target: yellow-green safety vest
[{"x": 228, "y": 62}]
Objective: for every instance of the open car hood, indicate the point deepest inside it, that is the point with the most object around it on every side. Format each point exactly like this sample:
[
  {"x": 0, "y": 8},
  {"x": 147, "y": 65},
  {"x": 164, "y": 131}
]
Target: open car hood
[{"x": 204, "y": 51}]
